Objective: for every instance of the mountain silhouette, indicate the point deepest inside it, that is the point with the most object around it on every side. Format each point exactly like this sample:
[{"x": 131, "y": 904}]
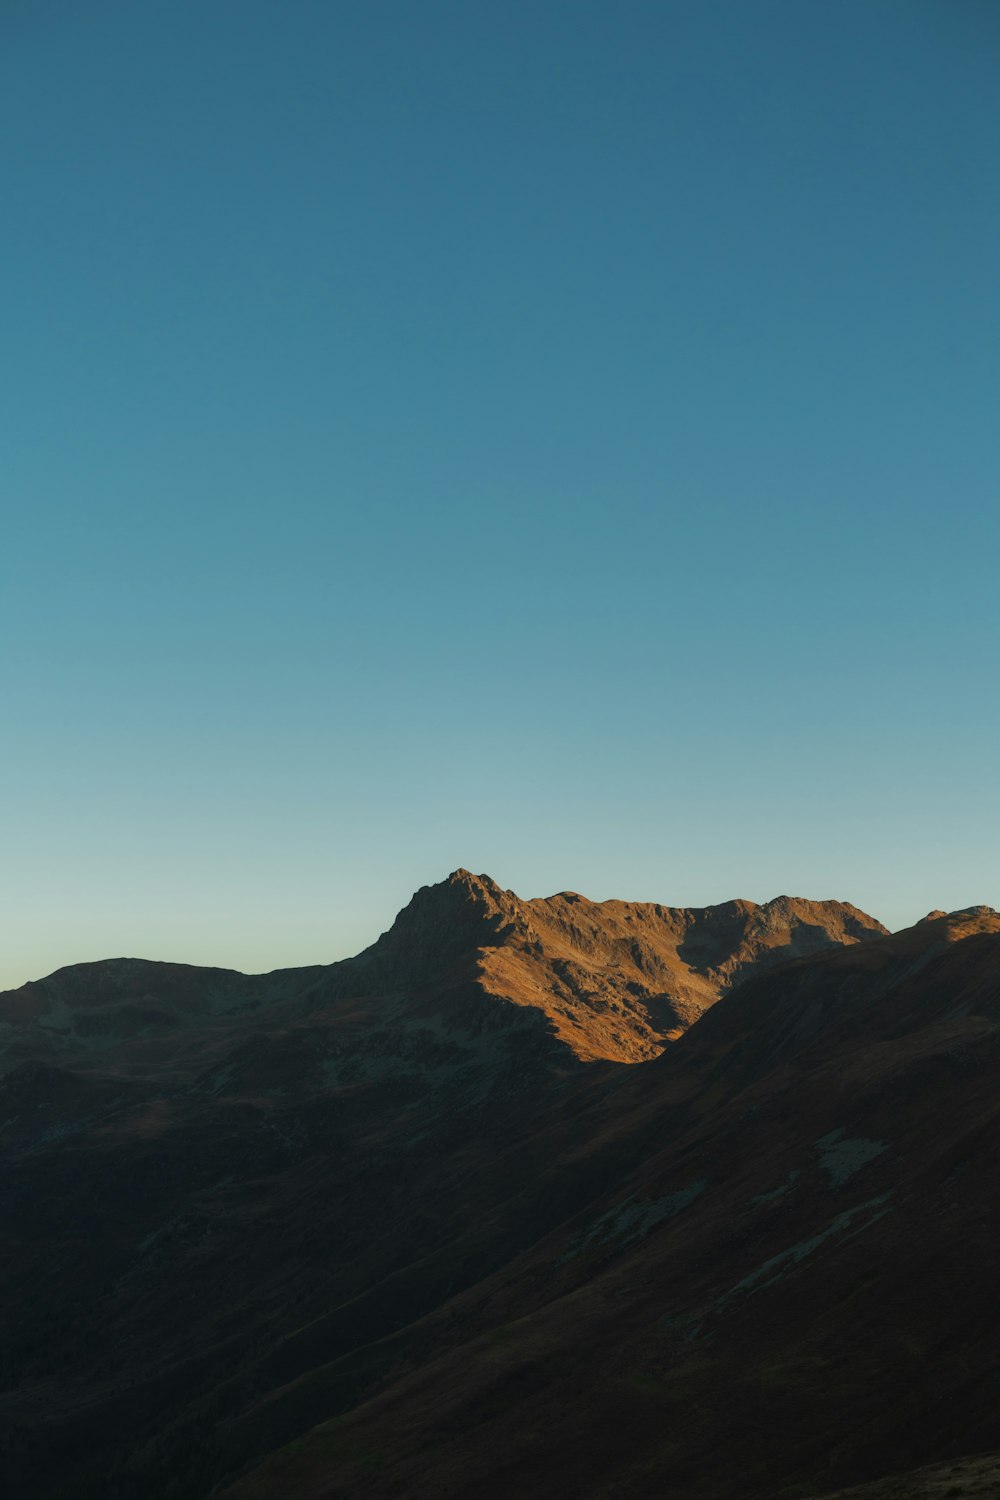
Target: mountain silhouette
[{"x": 409, "y": 1225}]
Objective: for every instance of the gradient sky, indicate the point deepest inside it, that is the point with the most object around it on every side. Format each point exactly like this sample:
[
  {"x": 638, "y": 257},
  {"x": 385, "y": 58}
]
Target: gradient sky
[{"x": 552, "y": 437}]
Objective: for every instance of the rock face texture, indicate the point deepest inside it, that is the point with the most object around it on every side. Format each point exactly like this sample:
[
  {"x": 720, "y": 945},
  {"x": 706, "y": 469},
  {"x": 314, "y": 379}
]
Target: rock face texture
[
  {"x": 619, "y": 979},
  {"x": 406, "y": 1225},
  {"x": 615, "y": 980}
]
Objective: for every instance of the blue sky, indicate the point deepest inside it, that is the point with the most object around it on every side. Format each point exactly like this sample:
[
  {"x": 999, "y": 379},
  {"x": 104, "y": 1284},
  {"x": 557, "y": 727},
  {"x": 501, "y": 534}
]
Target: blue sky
[{"x": 553, "y": 438}]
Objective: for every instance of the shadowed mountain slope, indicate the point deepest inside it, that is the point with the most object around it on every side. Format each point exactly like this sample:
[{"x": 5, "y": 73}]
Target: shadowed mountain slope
[
  {"x": 971, "y": 1479},
  {"x": 377, "y": 1230},
  {"x": 778, "y": 1282}
]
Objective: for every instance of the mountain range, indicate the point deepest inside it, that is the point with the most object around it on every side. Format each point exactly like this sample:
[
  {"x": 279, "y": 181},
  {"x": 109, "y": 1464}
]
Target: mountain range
[{"x": 548, "y": 1198}]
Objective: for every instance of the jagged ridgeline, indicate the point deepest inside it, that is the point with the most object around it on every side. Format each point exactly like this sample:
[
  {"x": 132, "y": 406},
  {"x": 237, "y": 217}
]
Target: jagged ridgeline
[
  {"x": 611, "y": 980},
  {"x": 405, "y": 1225}
]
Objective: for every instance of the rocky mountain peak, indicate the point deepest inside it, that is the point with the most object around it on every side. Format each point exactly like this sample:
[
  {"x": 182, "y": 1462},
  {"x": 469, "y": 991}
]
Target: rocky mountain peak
[{"x": 439, "y": 925}]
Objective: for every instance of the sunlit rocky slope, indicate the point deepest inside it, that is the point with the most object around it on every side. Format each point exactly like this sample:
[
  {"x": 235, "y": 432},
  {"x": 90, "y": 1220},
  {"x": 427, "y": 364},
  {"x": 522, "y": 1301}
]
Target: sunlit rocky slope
[{"x": 405, "y": 1226}]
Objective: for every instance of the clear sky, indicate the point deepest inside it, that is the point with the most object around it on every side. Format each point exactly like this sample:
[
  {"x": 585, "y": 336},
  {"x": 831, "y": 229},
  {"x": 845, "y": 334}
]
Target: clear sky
[{"x": 553, "y": 437}]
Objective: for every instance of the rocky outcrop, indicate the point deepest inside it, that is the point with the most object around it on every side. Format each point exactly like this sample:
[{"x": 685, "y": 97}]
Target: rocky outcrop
[{"x": 614, "y": 980}]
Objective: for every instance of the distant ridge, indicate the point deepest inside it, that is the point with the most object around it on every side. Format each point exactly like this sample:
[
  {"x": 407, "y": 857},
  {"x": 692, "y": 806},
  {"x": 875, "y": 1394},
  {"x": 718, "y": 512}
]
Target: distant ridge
[{"x": 609, "y": 980}]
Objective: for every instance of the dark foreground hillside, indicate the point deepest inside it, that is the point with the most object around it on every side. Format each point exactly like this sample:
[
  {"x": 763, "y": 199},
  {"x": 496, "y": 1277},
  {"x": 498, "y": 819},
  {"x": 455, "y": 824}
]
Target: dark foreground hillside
[{"x": 407, "y": 1226}]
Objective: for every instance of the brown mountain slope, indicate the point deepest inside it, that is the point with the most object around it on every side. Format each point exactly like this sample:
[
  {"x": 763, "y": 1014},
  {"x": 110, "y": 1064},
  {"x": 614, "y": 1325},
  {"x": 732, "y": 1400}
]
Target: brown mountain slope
[
  {"x": 780, "y": 1282},
  {"x": 618, "y": 979},
  {"x": 613, "y": 979}
]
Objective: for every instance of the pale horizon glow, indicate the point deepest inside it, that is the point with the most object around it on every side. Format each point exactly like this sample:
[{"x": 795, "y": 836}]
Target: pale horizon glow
[{"x": 554, "y": 440}]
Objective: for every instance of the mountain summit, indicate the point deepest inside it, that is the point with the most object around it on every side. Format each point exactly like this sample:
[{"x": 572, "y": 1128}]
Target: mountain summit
[{"x": 614, "y": 980}]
